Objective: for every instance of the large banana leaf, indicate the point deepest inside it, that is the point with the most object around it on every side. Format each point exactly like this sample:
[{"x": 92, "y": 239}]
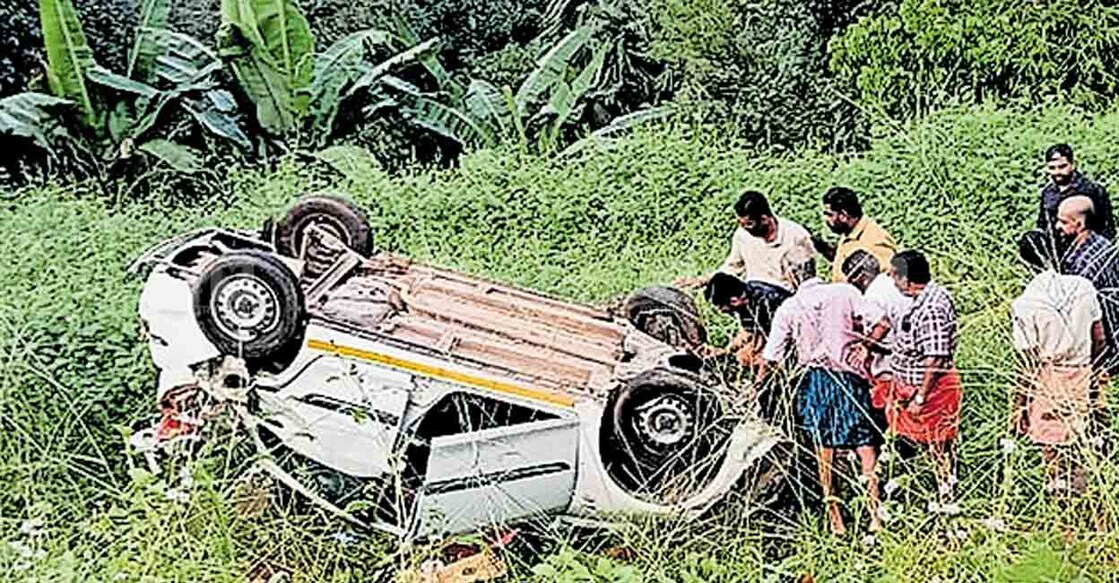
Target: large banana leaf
[
  {"x": 182, "y": 59},
  {"x": 146, "y": 48},
  {"x": 264, "y": 86},
  {"x": 217, "y": 112},
  {"x": 449, "y": 122},
  {"x": 107, "y": 78},
  {"x": 429, "y": 59},
  {"x": 338, "y": 67},
  {"x": 564, "y": 98},
  {"x": 485, "y": 103},
  {"x": 551, "y": 68},
  {"x": 34, "y": 116},
  {"x": 279, "y": 34},
  {"x": 68, "y": 57},
  {"x": 270, "y": 48},
  {"x": 179, "y": 157},
  {"x": 381, "y": 70}
]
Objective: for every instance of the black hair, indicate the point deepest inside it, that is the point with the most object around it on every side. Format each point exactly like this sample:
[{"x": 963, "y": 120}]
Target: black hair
[
  {"x": 860, "y": 260},
  {"x": 1036, "y": 249},
  {"x": 843, "y": 199},
  {"x": 722, "y": 287},
  {"x": 752, "y": 204},
  {"x": 1062, "y": 150},
  {"x": 913, "y": 266}
]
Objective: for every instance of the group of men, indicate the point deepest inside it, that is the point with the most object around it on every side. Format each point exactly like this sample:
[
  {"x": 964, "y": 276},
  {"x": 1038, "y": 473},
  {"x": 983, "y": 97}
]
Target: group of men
[{"x": 872, "y": 348}]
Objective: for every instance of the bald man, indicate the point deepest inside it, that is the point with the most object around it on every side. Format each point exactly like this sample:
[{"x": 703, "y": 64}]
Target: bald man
[{"x": 1091, "y": 256}]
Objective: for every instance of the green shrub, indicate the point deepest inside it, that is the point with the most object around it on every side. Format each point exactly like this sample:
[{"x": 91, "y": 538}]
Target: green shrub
[
  {"x": 760, "y": 68},
  {"x": 915, "y": 55}
]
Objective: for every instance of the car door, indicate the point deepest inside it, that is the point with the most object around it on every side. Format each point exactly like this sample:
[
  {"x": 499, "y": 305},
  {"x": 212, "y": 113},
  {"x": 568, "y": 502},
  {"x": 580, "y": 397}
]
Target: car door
[
  {"x": 497, "y": 475},
  {"x": 344, "y": 413}
]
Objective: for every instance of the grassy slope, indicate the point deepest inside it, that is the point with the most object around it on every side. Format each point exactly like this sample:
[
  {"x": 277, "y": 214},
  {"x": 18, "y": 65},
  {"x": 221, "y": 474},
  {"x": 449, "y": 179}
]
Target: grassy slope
[{"x": 643, "y": 210}]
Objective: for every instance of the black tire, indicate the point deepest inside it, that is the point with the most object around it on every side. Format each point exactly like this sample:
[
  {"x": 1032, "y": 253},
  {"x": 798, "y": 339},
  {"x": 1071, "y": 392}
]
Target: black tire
[
  {"x": 664, "y": 434},
  {"x": 249, "y": 304},
  {"x": 667, "y": 314},
  {"x": 337, "y": 216}
]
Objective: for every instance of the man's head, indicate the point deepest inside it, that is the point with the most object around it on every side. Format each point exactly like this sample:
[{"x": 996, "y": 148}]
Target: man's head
[
  {"x": 753, "y": 213},
  {"x": 1074, "y": 214},
  {"x": 860, "y": 268},
  {"x": 1036, "y": 250},
  {"x": 910, "y": 272},
  {"x": 842, "y": 209},
  {"x": 1060, "y": 164},
  {"x": 726, "y": 292}
]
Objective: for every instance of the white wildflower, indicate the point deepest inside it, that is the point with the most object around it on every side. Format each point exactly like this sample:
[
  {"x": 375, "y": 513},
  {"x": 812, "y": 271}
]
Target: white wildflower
[
  {"x": 31, "y": 527},
  {"x": 994, "y": 523},
  {"x": 869, "y": 541},
  {"x": 344, "y": 538},
  {"x": 883, "y": 513},
  {"x": 934, "y": 507},
  {"x": 959, "y": 534},
  {"x": 177, "y": 495},
  {"x": 950, "y": 509},
  {"x": 1008, "y": 445},
  {"x": 891, "y": 486}
]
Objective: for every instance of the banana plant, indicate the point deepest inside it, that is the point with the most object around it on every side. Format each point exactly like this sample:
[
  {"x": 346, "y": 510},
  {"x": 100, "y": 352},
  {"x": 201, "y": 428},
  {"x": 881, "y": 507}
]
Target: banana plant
[
  {"x": 36, "y": 117},
  {"x": 536, "y": 114},
  {"x": 271, "y": 50},
  {"x": 120, "y": 113}
]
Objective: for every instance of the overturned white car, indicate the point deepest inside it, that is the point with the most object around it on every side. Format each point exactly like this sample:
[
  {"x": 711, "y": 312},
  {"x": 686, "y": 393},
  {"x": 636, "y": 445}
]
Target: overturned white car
[{"x": 425, "y": 402}]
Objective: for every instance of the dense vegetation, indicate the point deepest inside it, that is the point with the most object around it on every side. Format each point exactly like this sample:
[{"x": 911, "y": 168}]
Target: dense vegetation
[
  {"x": 617, "y": 215},
  {"x": 579, "y": 147}
]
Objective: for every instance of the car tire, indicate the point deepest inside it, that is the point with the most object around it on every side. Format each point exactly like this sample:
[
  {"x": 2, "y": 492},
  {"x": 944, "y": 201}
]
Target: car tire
[
  {"x": 337, "y": 216},
  {"x": 249, "y": 304},
  {"x": 667, "y": 314},
  {"x": 664, "y": 427}
]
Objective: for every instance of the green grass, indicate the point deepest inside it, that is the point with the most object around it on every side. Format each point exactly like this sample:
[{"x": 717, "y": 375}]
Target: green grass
[{"x": 593, "y": 226}]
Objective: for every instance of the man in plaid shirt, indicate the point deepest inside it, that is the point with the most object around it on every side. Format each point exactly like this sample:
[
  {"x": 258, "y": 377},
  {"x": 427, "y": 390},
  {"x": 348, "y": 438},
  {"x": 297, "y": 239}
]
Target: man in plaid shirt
[
  {"x": 1093, "y": 257},
  {"x": 923, "y": 403}
]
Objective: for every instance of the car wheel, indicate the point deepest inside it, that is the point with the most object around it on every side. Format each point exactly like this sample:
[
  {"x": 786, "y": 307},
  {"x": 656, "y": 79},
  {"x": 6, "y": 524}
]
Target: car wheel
[
  {"x": 249, "y": 304},
  {"x": 331, "y": 214},
  {"x": 664, "y": 435},
  {"x": 667, "y": 314}
]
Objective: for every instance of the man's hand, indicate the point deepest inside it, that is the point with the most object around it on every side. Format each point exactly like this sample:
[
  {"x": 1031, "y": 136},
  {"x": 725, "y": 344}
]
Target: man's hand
[
  {"x": 709, "y": 351},
  {"x": 858, "y": 356},
  {"x": 823, "y": 247}
]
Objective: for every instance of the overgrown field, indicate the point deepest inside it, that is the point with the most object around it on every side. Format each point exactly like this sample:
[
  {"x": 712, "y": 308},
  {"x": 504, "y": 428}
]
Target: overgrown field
[{"x": 590, "y": 226}]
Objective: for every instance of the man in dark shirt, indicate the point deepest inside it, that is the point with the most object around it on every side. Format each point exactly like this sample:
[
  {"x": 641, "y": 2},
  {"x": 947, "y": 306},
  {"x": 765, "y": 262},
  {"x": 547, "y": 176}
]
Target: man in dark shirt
[
  {"x": 1065, "y": 181},
  {"x": 1096, "y": 259},
  {"x": 753, "y": 304}
]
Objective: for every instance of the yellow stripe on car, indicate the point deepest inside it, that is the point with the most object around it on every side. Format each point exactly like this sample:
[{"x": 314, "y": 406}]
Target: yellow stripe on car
[{"x": 442, "y": 373}]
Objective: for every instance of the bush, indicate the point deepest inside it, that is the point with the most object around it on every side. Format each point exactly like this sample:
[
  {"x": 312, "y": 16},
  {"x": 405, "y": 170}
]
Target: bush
[
  {"x": 761, "y": 67},
  {"x": 916, "y": 55}
]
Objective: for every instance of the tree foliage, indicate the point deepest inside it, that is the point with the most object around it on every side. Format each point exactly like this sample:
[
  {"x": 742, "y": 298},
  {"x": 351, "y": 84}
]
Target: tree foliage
[{"x": 910, "y": 57}]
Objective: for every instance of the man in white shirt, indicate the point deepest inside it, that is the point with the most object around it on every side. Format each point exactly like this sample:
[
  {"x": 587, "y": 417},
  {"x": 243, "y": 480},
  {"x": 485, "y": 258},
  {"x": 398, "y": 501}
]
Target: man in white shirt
[
  {"x": 823, "y": 324},
  {"x": 864, "y": 272},
  {"x": 765, "y": 247},
  {"x": 1059, "y": 331}
]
